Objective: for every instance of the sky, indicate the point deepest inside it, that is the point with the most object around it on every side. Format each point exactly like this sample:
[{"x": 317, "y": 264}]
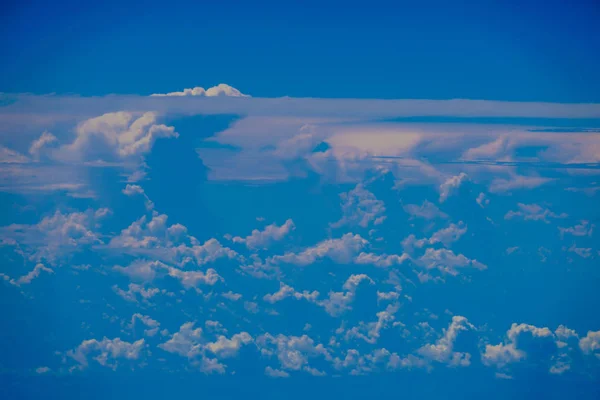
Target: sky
[{"x": 269, "y": 200}]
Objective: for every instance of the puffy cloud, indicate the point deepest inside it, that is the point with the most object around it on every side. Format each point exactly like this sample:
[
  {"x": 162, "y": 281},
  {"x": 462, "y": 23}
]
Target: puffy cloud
[
  {"x": 449, "y": 235},
  {"x": 533, "y": 212},
  {"x": 590, "y": 344},
  {"x": 225, "y": 348},
  {"x": 37, "y": 146},
  {"x": 340, "y": 250},
  {"x": 427, "y": 210},
  {"x": 447, "y": 262},
  {"x": 442, "y": 350},
  {"x": 286, "y": 291},
  {"x": 509, "y": 352},
  {"x": 133, "y": 290},
  {"x": 168, "y": 243},
  {"x": 57, "y": 235},
  {"x": 293, "y": 352},
  {"x": 339, "y": 302},
  {"x": 271, "y": 233},
  {"x": 114, "y": 137},
  {"x": 276, "y": 373},
  {"x": 451, "y": 185},
  {"x": 371, "y": 331},
  {"x": 220, "y": 90},
  {"x": 582, "y": 229},
  {"x": 8, "y": 156},
  {"x": 136, "y": 190},
  {"x": 482, "y": 200},
  {"x": 380, "y": 260},
  {"x": 186, "y": 342},
  {"x": 360, "y": 207},
  {"x": 107, "y": 351},
  {"x": 37, "y": 270},
  {"x": 152, "y": 325},
  {"x": 144, "y": 270}
]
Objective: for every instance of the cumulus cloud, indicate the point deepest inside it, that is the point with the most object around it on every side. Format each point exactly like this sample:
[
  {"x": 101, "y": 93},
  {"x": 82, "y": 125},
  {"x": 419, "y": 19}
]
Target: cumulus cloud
[
  {"x": 221, "y": 89},
  {"x": 509, "y": 352},
  {"x": 533, "y": 212},
  {"x": 115, "y": 137},
  {"x": 8, "y": 156},
  {"x": 427, "y": 211},
  {"x": 360, "y": 207},
  {"x": 442, "y": 350},
  {"x": 446, "y": 262},
  {"x": 451, "y": 185},
  {"x": 107, "y": 351},
  {"x": 286, "y": 291},
  {"x": 340, "y": 250},
  {"x": 136, "y": 190},
  {"x": 271, "y": 233},
  {"x": 292, "y": 352},
  {"x": 168, "y": 243},
  {"x": 37, "y": 146},
  {"x": 57, "y": 235}
]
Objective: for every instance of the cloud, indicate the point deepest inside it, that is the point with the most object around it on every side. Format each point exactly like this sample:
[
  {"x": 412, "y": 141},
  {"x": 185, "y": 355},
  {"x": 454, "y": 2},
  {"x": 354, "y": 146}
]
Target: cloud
[
  {"x": 442, "y": 350},
  {"x": 38, "y": 146},
  {"x": 446, "y": 262},
  {"x": 57, "y": 235},
  {"x": 427, "y": 211},
  {"x": 286, "y": 291},
  {"x": 168, "y": 243},
  {"x": 107, "y": 351},
  {"x": 339, "y": 250},
  {"x": 293, "y": 352},
  {"x": 151, "y": 324},
  {"x": 225, "y": 348},
  {"x": 114, "y": 137},
  {"x": 360, "y": 207},
  {"x": 276, "y": 373},
  {"x": 8, "y": 156},
  {"x": 582, "y": 229},
  {"x": 271, "y": 233},
  {"x": 338, "y": 303},
  {"x": 451, "y": 185},
  {"x": 136, "y": 190},
  {"x": 509, "y": 352},
  {"x": 220, "y": 90},
  {"x": 590, "y": 344},
  {"x": 533, "y": 212}
]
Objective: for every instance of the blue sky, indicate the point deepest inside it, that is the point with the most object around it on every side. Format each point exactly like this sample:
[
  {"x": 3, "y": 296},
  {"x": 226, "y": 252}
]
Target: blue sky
[{"x": 281, "y": 201}]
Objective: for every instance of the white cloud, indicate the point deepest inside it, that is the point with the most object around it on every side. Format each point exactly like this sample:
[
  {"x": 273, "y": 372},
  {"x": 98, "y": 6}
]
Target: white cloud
[
  {"x": 152, "y": 325},
  {"x": 533, "y": 212},
  {"x": 447, "y": 262},
  {"x": 340, "y": 250},
  {"x": 590, "y": 344},
  {"x": 360, "y": 207},
  {"x": 427, "y": 210},
  {"x": 276, "y": 373},
  {"x": 293, "y": 352},
  {"x": 57, "y": 235},
  {"x": 220, "y": 90},
  {"x": 37, "y": 146},
  {"x": 115, "y": 136},
  {"x": 451, "y": 185},
  {"x": 136, "y": 190},
  {"x": 582, "y": 229},
  {"x": 286, "y": 291},
  {"x": 8, "y": 156},
  {"x": 509, "y": 352},
  {"x": 271, "y": 233},
  {"x": 443, "y": 349},
  {"x": 107, "y": 351}
]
